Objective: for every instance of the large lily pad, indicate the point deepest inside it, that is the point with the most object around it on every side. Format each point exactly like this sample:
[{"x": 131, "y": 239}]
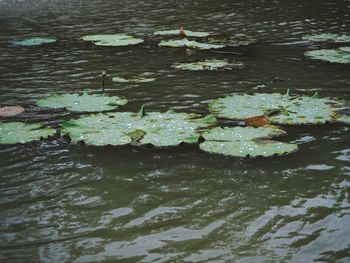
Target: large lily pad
[
  {"x": 178, "y": 32},
  {"x": 327, "y": 37},
  {"x": 189, "y": 44},
  {"x": 82, "y": 103},
  {"x": 277, "y": 108},
  {"x": 210, "y": 64},
  {"x": 119, "y": 128},
  {"x": 132, "y": 79},
  {"x": 9, "y": 111},
  {"x": 245, "y": 141},
  {"x": 340, "y": 55},
  {"x": 34, "y": 41},
  {"x": 19, "y": 132},
  {"x": 112, "y": 40}
]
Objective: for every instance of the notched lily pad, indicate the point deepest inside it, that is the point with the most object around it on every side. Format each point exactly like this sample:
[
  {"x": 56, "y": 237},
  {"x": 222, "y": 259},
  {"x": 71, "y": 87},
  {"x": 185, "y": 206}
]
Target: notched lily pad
[
  {"x": 277, "y": 108},
  {"x": 340, "y": 55},
  {"x": 9, "y": 111},
  {"x": 189, "y": 44},
  {"x": 327, "y": 37},
  {"x": 135, "y": 79},
  {"x": 19, "y": 132},
  {"x": 34, "y": 41},
  {"x": 120, "y": 128},
  {"x": 210, "y": 64},
  {"x": 82, "y": 103},
  {"x": 245, "y": 141},
  {"x": 180, "y": 32},
  {"x": 112, "y": 40}
]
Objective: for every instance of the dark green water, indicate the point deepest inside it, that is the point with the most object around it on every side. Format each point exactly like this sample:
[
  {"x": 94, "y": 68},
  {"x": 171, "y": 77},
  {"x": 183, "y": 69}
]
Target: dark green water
[{"x": 63, "y": 203}]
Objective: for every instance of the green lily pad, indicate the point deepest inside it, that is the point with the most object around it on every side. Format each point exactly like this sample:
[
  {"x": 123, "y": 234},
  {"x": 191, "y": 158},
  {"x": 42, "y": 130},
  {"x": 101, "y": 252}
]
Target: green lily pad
[
  {"x": 277, "y": 108},
  {"x": 189, "y": 44},
  {"x": 340, "y": 55},
  {"x": 210, "y": 64},
  {"x": 19, "y": 132},
  {"x": 132, "y": 79},
  {"x": 343, "y": 118},
  {"x": 119, "y": 128},
  {"x": 35, "y": 41},
  {"x": 9, "y": 111},
  {"x": 328, "y": 37},
  {"x": 188, "y": 33},
  {"x": 82, "y": 103},
  {"x": 112, "y": 40}
]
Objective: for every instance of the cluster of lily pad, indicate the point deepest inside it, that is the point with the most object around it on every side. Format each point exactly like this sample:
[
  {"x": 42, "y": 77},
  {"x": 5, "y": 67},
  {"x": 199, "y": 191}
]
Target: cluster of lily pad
[{"x": 335, "y": 55}]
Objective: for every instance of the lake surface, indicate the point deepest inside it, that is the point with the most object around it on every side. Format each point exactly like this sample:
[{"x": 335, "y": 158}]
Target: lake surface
[{"x": 69, "y": 203}]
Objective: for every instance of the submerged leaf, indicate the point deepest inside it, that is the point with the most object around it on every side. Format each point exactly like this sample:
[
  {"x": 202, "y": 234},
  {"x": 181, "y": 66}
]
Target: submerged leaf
[
  {"x": 210, "y": 64},
  {"x": 132, "y": 79},
  {"x": 187, "y": 33},
  {"x": 9, "y": 111},
  {"x": 189, "y": 44},
  {"x": 82, "y": 103},
  {"x": 340, "y": 55},
  {"x": 19, "y": 132},
  {"x": 112, "y": 40},
  {"x": 35, "y": 41}
]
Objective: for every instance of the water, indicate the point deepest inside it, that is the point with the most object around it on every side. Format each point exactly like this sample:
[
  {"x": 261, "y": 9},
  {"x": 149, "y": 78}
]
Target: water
[{"x": 66, "y": 203}]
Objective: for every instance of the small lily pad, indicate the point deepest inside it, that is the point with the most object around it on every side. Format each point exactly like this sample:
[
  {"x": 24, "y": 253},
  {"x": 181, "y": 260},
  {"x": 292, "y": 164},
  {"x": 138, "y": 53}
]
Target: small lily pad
[
  {"x": 82, "y": 103},
  {"x": 35, "y": 41},
  {"x": 9, "y": 111},
  {"x": 210, "y": 64},
  {"x": 189, "y": 44},
  {"x": 245, "y": 141},
  {"x": 340, "y": 55},
  {"x": 327, "y": 37},
  {"x": 132, "y": 79},
  {"x": 342, "y": 118},
  {"x": 120, "y": 128},
  {"x": 277, "y": 108},
  {"x": 112, "y": 40},
  {"x": 187, "y": 33},
  {"x": 19, "y": 132}
]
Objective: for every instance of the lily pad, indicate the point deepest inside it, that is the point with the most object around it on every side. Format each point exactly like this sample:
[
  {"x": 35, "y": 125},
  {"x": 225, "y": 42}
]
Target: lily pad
[
  {"x": 112, "y": 40},
  {"x": 327, "y": 37},
  {"x": 277, "y": 108},
  {"x": 9, "y": 111},
  {"x": 132, "y": 79},
  {"x": 119, "y": 128},
  {"x": 189, "y": 44},
  {"x": 245, "y": 141},
  {"x": 210, "y": 64},
  {"x": 340, "y": 55},
  {"x": 34, "y": 41},
  {"x": 82, "y": 103},
  {"x": 231, "y": 41},
  {"x": 19, "y": 132},
  {"x": 187, "y": 33}
]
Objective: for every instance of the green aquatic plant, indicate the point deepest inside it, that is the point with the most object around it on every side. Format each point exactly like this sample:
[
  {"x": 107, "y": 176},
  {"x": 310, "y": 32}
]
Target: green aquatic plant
[
  {"x": 340, "y": 55},
  {"x": 112, "y": 40},
  {"x": 327, "y": 37},
  {"x": 178, "y": 32},
  {"x": 135, "y": 79},
  {"x": 231, "y": 41},
  {"x": 82, "y": 103},
  {"x": 9, "y": 111},
  {"x": 277, "y": 108},
  {"x": 245, "y": 142},
  {"x": 120, "y": 128},
  {"x": 34, "y": 41},
  {"x": 209, "y": 64},
  {"x": 20, "y": 132},
  {"x": 189, "y": 44}
]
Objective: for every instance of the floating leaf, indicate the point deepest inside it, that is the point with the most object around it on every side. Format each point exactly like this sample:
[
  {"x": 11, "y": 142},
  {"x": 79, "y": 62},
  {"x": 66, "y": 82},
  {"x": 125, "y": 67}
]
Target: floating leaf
[
  {"x": 231, "y": 41},
  {"x": 35, "y": 41},
  {"x": 9, "y": 111},
  {"x": 189, "y": 44},
  {"x": 112, "y": 40},
  {"x": 342, "y": 118},
  {"x": 19, "y": 132},
  {"x": 277, "y": 108},
  {"x": 210, "y": 64},
  {"x": 328, "y": 37},
  {"x": 187, "y": 33},
  {"x": 340, "y": 55},
  {"x": 119, "y": 128},
  {"x": 132, "y": 79},
  {"x": 82, "y": 103}
]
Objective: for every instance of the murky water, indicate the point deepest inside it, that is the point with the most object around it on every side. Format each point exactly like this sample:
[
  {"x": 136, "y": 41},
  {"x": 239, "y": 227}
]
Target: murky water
[{"x": 64, "y": 203}]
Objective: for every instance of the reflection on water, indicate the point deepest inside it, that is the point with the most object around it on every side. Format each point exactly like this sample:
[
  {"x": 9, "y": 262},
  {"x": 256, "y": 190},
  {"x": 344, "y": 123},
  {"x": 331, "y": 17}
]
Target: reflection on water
[{"x": 62, "y": 203}]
